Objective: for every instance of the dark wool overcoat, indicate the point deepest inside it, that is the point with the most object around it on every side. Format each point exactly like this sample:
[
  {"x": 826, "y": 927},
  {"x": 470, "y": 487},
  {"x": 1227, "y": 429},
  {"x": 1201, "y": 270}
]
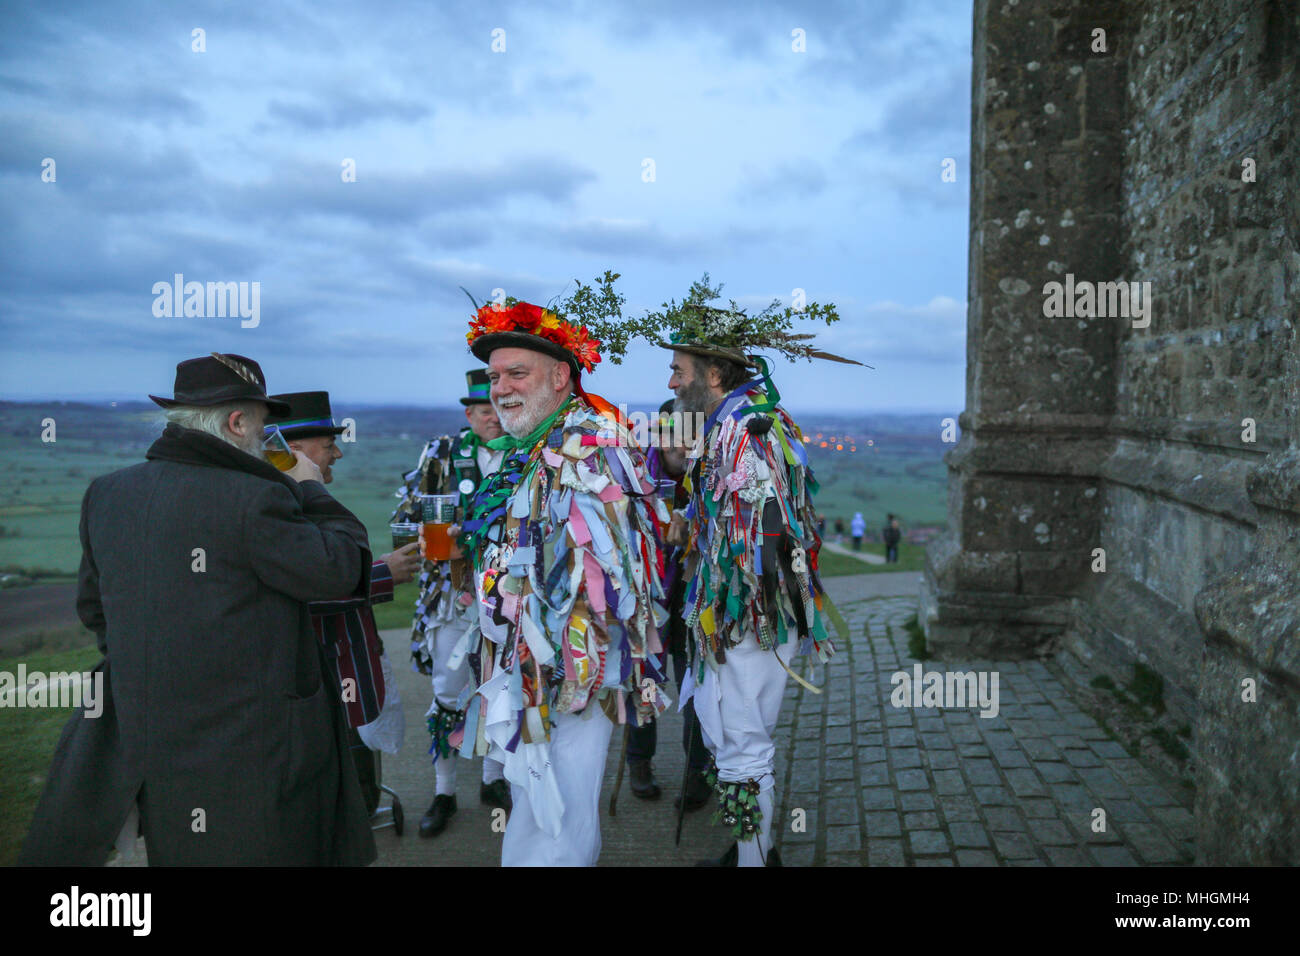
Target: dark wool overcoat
[{"x": 219, "y": 720}]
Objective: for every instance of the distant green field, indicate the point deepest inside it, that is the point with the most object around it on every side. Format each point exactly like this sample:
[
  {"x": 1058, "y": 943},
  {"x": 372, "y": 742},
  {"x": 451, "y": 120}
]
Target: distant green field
[
  {"x": 911, "y": 557},
  {"x": 41, "y": 484}
]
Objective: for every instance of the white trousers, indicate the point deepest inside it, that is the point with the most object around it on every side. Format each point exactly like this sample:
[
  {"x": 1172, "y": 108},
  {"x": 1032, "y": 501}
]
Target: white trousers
[
  {"x": 738, "y": 706},
  {"x": 447, "y": 686},
  {"x": 447, "y": 683},
  {"x": 579, "y": 744}
]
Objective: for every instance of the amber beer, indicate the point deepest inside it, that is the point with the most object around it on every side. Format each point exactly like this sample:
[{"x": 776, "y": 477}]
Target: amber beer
[
  {"x": 439, "y": 513},
  {"x": 404, "y": 533},
  {"x": 277, "y": 451}
]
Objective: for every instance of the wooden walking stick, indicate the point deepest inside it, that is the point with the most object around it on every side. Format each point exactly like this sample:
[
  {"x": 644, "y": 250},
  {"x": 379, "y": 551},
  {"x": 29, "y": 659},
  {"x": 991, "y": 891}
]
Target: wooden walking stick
[
  {"x": 618, "y": 781},
  {"x": 686, "y": 776}
]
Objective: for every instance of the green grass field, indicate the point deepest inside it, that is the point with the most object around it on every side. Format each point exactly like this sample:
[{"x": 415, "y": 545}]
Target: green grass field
[
  {"x": 27, "y": 742},
  {"x": 911, "y": 557}
]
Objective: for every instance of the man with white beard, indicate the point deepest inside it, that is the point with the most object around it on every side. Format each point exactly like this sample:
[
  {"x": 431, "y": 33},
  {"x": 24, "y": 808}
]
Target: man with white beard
[{"x": 565, "y": 542}]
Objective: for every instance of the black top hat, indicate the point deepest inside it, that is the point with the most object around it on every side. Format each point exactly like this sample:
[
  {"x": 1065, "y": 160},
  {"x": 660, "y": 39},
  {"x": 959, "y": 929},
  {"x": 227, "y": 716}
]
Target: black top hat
[
  {"x": 485, "y": 345},
  {"x": 217, "y": 379},
  {"x": 477, "y": 386},
  {"x": 307, "y": 415}
]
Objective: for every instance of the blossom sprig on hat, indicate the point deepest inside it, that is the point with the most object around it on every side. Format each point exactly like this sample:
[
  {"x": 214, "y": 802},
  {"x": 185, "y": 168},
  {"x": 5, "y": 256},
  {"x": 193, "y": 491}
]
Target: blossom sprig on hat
[
  {"x": 529, "y": 319},
  {"x": 695, "y": 322}
]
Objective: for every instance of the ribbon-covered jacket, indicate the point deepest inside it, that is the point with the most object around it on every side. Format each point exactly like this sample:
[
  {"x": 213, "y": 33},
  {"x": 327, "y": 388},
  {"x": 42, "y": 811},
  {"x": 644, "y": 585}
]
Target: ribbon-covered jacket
[
  {"x": 568, "y": 564},
  {"x": 446, "y": 464},
  {"x": 752, "y": 552}
]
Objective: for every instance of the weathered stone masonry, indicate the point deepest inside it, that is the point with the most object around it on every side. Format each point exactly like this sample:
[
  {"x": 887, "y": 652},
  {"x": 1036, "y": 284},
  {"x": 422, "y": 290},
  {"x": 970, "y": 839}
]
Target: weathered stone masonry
[{"x": 1084, "y": 433}]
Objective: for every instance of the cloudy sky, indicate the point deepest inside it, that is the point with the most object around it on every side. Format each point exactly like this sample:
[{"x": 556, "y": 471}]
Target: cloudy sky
[{"x": 522, "y": 168}]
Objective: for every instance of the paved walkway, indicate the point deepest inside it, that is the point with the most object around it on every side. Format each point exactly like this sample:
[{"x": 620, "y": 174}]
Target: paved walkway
[
  {"x": 860, "y": 781},
  {"x": 891, "y": 786},
  {"x": 870, "y": 557}
]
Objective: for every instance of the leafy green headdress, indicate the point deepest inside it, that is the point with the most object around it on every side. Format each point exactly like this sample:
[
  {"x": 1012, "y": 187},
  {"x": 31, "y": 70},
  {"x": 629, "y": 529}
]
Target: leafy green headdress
[{"x": 695, "y": 326}]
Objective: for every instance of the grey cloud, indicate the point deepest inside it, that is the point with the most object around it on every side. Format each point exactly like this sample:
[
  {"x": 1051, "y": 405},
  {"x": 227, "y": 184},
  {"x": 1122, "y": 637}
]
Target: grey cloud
[
  {"x": 337, "y": 111},
  {"x": 799, "y": 179},
  {"x": 444, "y": 278},
  {"x": 622, "y": 238},
  {"x": 936, "y": 108},
  {"x": 934, "y": 332},
  {"x": 380, "y": 197}
]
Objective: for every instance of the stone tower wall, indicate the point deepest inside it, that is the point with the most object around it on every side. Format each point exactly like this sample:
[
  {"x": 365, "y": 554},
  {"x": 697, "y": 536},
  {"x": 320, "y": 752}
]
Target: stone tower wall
[{"x": 1170, "y": 447}]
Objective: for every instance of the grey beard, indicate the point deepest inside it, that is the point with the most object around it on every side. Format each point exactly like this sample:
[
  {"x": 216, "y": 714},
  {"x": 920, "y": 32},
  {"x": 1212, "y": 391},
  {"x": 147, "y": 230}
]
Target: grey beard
[
  {"x": 529, "y": 417},
  {"x": 692, "y": 398},
  {"x": 251, "y": 444}
]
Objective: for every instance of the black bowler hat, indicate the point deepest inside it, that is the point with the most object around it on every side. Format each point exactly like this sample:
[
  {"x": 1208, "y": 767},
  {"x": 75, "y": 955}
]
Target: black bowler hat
[
  {"x": 307, "y": 415},
  {"x": 477, "y": 386},
  {"x": 217, "y": 379}
]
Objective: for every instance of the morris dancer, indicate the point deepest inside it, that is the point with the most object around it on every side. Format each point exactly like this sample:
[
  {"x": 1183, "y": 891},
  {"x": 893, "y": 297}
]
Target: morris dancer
[
  {"x": 754, "y": 594},
  {"x": 444, "y": 609},
  {"x": 567, "y": 567}
]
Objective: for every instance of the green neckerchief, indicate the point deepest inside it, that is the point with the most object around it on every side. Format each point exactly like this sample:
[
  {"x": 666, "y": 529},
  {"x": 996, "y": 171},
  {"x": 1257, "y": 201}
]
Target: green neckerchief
[
  {"x": 511, "y": 443},
  {"x": 494, "y": 492},
  {"x": 469, "y": 442},
  {"x": 772, "y": 397}
]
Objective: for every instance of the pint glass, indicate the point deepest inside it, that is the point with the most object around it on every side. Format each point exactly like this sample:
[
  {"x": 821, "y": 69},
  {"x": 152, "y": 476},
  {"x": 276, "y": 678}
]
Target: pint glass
[
  {"x": 277, "y": 451},
  {"x": 439, "y": 513},
  {"x": 404, "y": 533}
]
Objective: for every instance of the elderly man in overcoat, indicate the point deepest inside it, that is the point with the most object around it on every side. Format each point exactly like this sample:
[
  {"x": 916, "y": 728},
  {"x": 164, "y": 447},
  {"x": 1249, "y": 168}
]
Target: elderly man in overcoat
[{"x": 219, "y": 725}]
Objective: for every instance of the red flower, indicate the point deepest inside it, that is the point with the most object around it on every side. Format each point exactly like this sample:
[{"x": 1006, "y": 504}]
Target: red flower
[
  {"x": 527, "y": 317},
  {"x": 534, "y": 320},
  {"x": 585, "y": 350}
]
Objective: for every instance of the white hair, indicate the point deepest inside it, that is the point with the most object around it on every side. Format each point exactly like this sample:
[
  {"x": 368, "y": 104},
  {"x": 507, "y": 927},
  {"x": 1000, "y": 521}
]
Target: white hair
[{"x": 210, "y": 418}]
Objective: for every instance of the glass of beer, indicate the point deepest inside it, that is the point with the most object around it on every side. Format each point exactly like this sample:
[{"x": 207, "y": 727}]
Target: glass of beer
[
  {"x": 404, "y": 533},
  {"x": 277, "y": 451},
  {"x": 439, "y": 512}
]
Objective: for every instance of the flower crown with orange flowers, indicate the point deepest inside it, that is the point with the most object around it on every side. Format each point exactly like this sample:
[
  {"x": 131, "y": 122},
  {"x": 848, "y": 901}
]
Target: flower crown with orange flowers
[{"x": 524, "y": 325}]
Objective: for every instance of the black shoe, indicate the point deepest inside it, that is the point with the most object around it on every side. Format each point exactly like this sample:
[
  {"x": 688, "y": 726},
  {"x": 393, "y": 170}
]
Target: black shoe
[
  {"x": 697, "y": 793},
  {"x": 643, "y": 780},
  {"x": 774, "y": 858},
  {"x": 496, "y": 794},
  {"x": 730, "y": 858},
  {"x": 435, "y": 821}
]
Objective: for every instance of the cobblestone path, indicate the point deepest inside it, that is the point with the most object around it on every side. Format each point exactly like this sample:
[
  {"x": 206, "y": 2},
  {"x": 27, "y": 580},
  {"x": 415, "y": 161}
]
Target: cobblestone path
[{"x": 895, "y": 786}]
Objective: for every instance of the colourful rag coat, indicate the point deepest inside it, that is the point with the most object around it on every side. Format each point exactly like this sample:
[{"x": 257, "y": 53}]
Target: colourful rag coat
[
  {"x": 568, "y": 568},
  {"x": 753, "y": 546}
]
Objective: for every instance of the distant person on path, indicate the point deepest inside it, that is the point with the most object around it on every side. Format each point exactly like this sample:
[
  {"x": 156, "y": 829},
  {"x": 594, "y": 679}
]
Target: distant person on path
[
  {"x": 346, "y": 628},
  {"x": 839, "y": 530},
  {"x": 221, "y": 725},
  {"x": 444, "y": 610},
  {"x": 891, "y": 534},
  {"x": 858, "y": 527}
]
